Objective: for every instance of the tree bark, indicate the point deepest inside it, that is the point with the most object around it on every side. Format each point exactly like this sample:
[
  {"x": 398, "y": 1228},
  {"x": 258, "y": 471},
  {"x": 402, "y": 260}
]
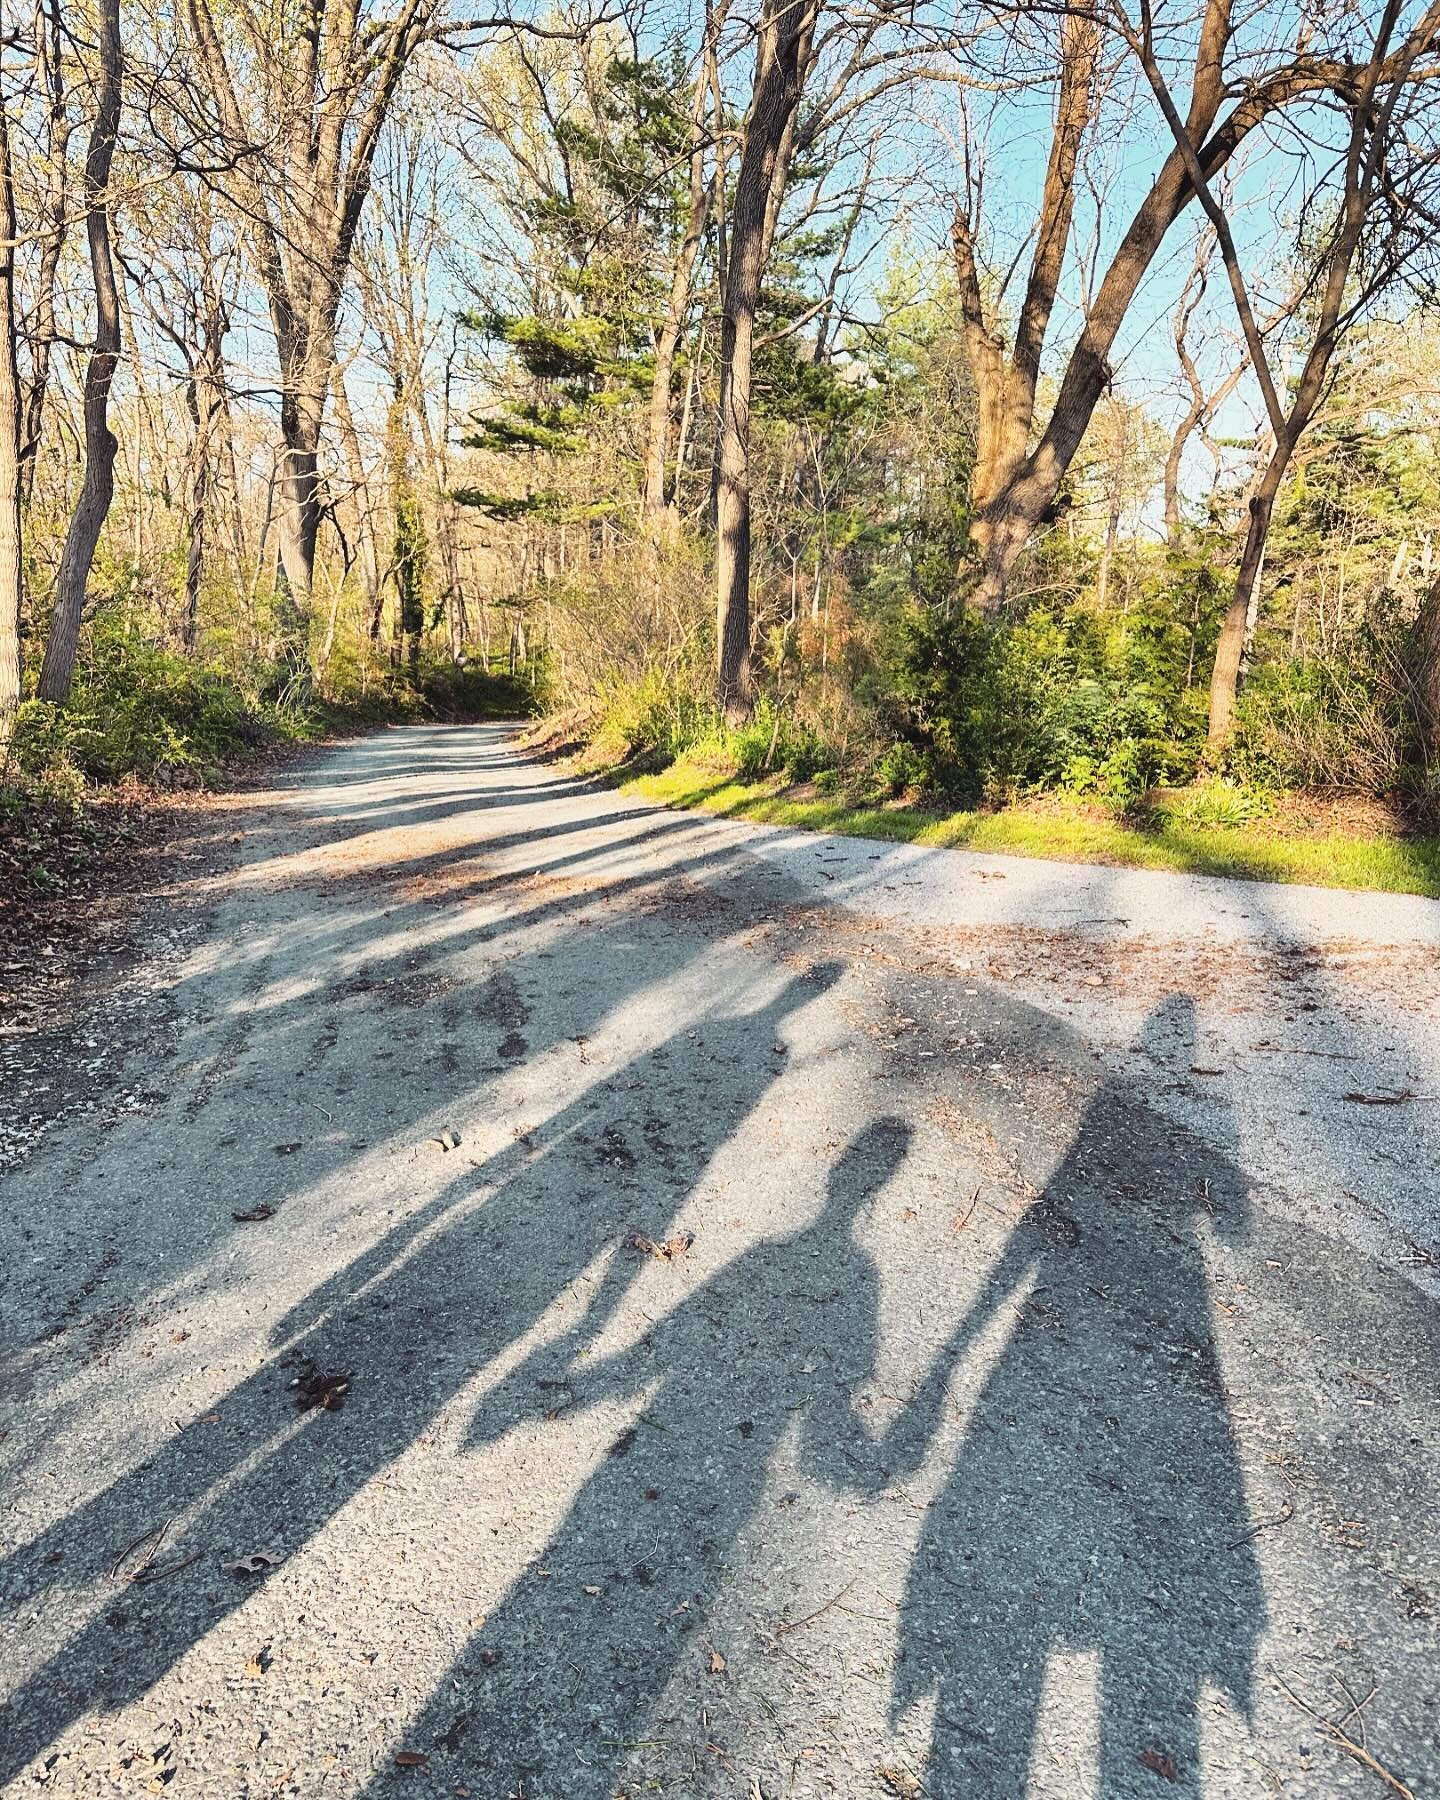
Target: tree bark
[
  {"x": 1230, "y": 649},
  {"x": 10, "y": 479},
  {"x": 782, "y": 57},
  {"x": 1006, "y": 385},
  {"x": 43, "y": 333},
  {"x": 98, "y": 485}
]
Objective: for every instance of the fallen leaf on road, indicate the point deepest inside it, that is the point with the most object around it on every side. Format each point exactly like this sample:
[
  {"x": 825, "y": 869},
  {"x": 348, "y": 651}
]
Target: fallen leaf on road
[
  {"x": 1396, "y": 1099},
  {"x": 412, "y": 1759},
  {"x": 672, "y": 1248},
  {"x": 1159, "y": 1763},
  {"x": 255, "y": 1214},
  {"x": 490, "y": 1657},
  {"x": 317, "y": 1388},
  {"x": 252, "y": 1564},
  {"x": 259, "y": 1662},
  {"x": 715, "y": 1662},
  {"x": 902, "y": 1782},
  {"x": 178, "y": 1337},
  {"x": 447, "y": 1140},
  {"x": 592, "y": 1591}
]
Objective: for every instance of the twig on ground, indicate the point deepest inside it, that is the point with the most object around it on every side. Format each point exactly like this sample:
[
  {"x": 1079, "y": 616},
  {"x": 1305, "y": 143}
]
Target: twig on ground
[
  {"x": 153, "y": 1538},
  {"x": 958, "y": 1223},
  {"x": 1343, "y": 1741},
  {"x": 148, "y": 1572},
  {"x": 795, "y": 1624},
  {"x": 1283, "y": 1517}
]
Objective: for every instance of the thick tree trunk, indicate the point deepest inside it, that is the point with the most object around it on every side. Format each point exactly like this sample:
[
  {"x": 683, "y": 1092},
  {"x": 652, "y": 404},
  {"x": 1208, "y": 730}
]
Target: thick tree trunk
[
  {"x": 10, "y": 564},
  {"x": 781, "y": 60},
  {"x": 98, "y": 485}
]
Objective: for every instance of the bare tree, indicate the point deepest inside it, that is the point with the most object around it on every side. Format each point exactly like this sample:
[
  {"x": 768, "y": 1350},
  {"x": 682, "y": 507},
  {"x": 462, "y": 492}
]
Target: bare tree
[
  {"x": 1368, "y": 178},
  {"x": 700, "y": 198},
  {"x": 301, "y": 142},
  {"x": 98, "y": 485},
  {"x": 1011, "y": 506},
  {"x": 41, "y": 331},
  {"x": 10, "y": 563}
]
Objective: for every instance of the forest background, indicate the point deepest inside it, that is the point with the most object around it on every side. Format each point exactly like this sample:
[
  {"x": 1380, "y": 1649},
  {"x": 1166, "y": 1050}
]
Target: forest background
[{"x": 1002, "y": 425}]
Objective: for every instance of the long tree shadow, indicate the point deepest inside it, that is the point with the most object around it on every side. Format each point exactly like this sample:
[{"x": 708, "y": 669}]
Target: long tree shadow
[
  {"x": 623, "y": 1593},
  {"x": 1095, "y": 1503},
  {"x": 412, "y": 1319}
]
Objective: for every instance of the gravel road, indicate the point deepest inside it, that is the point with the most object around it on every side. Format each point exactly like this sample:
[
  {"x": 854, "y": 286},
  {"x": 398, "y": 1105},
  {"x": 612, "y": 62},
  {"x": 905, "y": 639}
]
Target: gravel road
[{"x": 886, "y": 1323}]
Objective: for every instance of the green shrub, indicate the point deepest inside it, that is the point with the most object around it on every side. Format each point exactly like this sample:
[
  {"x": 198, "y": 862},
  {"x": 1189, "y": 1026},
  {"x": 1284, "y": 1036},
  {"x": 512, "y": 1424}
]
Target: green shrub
[
  {"x": 662, "y": 712},
  {"x": 1068, "y": 701},
  {"x": 137, "y": 710}
]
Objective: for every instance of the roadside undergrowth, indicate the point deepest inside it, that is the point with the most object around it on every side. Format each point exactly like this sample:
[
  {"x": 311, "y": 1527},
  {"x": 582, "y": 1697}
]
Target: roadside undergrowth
[{"x": 1160, "y": 836}]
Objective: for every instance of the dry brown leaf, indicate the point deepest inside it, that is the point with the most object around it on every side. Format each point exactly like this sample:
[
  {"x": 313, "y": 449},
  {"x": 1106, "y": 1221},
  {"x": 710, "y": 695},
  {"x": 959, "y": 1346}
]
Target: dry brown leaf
[
  {"x": 715, "y": 1662},
  {"x": 258, "y": 1662},
  {"x": 667, "y": 1252},
  {"x": 255, "y": 1214},
  {"x": 1158, "y": 1763},
  {"x": 412, "y": 1759},
  {"x": 902, "y": 1782},
  {"x": 316, "y": 1387}
]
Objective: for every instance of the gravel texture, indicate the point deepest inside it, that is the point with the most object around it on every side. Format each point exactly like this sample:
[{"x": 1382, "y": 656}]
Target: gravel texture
[{"x": 892, "y": 1323}]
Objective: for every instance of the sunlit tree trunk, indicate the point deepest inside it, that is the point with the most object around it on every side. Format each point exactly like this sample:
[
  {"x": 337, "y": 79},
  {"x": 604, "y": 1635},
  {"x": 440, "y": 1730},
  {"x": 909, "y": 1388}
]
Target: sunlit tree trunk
[
  {"x": 10, "y": 563},
  {"x": 98, "y": 484},
  {"x": 781, "y": 58}
]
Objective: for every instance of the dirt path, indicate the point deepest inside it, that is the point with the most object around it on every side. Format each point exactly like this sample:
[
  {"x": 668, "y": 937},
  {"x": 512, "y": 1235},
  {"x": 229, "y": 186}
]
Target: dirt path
[{"x": 889, "y": 1323}]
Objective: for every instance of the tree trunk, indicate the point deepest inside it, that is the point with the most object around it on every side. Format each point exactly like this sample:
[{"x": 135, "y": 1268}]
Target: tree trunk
[
  {"x": 1230, "y": 650},
  {"x": 1427, "y": 634},
  {"x": 297, "y": 522},
  {"x": 43, "y": 330},
  {"x": 1107, "y": 557},
  {"x": 781, "y": 59},
  {"x": 10, "y": 564},
  {"x": 98, "y": 484},
  {"x": 364, "y": 515},
  {"x": 657, "y": 437},
  {"x": 1001, "y": 520}
]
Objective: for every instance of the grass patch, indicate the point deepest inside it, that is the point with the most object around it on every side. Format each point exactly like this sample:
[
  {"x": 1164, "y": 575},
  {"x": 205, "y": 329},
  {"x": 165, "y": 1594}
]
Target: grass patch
[{"x": 1072, "y": 832}]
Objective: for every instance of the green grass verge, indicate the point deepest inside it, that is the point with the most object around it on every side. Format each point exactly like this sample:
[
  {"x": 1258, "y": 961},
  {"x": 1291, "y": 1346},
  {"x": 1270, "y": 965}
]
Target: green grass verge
[{"x": 1392, "y": 865}]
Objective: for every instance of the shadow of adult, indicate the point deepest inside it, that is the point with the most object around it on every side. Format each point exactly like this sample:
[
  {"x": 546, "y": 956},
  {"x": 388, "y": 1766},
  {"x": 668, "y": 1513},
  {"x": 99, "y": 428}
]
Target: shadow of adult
[
  {"x": 764, "y": 1355},
  {"x": 1095, "y": 1504},
  {"x": 411, "y": 1318}
]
